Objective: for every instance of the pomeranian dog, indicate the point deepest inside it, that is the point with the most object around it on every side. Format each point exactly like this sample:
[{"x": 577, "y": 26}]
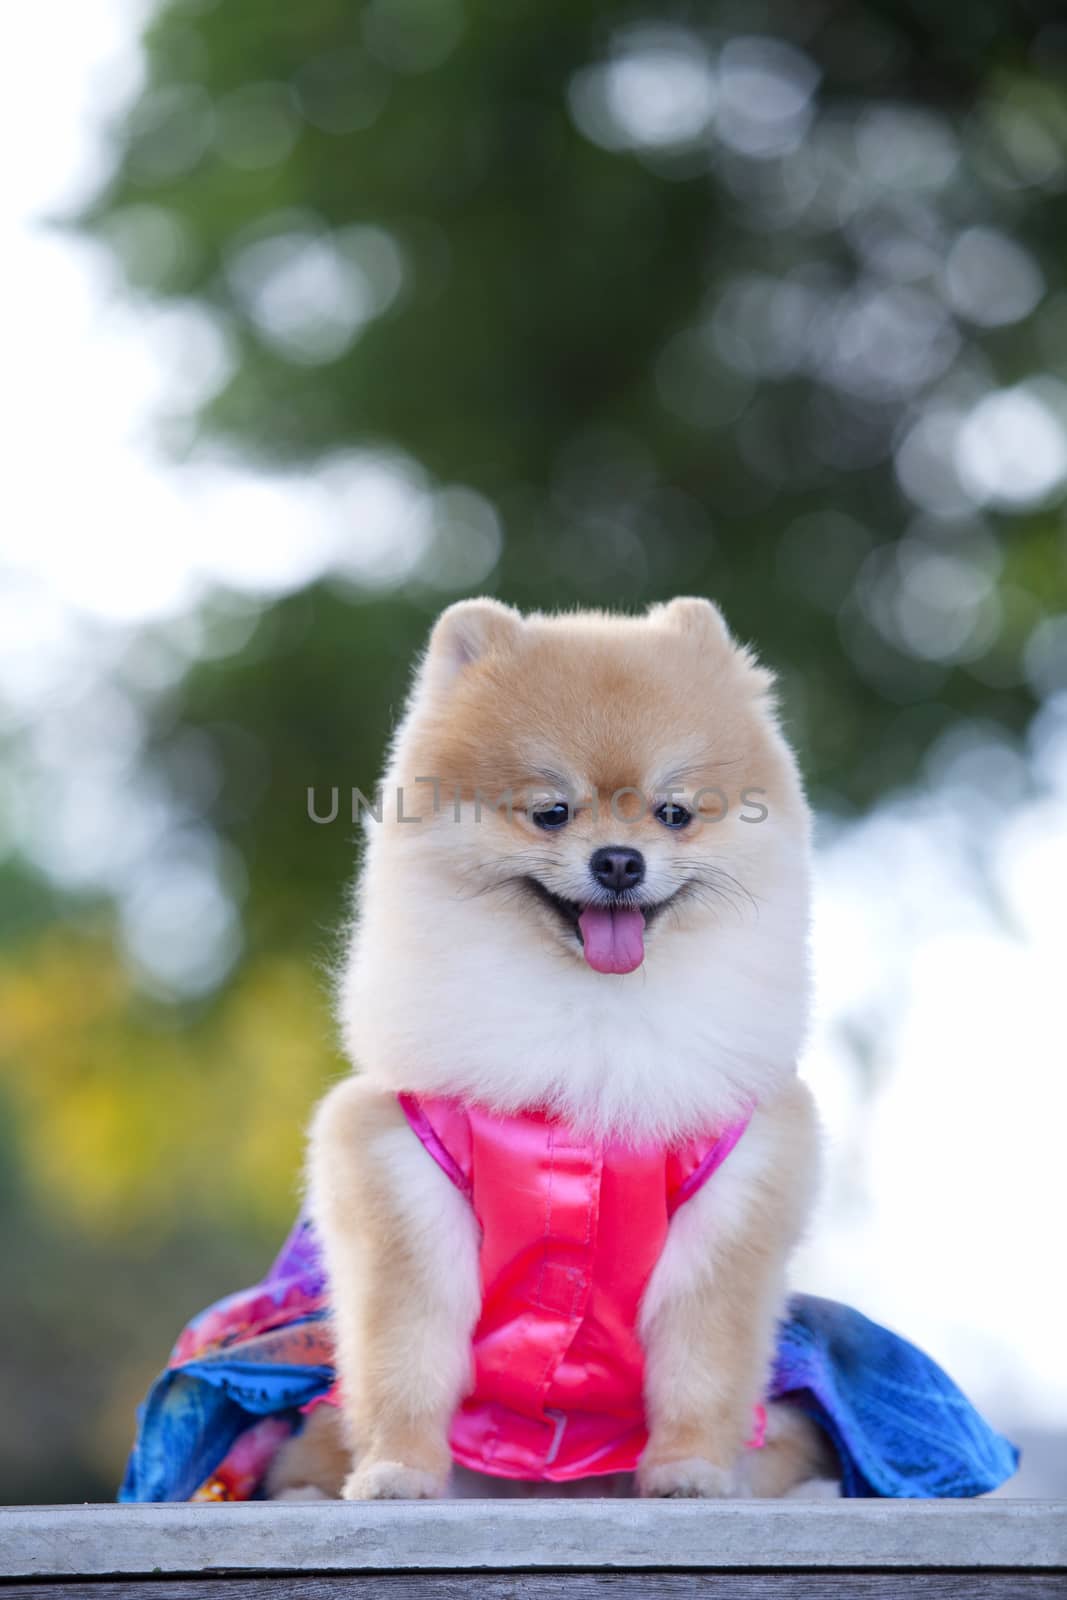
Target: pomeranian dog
[{"x": 577, "y": 985}]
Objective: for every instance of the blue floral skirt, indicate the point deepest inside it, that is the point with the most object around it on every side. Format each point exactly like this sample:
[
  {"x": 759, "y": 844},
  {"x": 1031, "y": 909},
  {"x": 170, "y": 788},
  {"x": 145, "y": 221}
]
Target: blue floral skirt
[{"x": 244, "y": 1372}]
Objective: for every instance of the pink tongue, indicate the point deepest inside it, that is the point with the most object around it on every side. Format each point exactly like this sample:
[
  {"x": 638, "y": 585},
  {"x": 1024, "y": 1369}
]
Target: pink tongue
[{"x": 614, "y": 941}]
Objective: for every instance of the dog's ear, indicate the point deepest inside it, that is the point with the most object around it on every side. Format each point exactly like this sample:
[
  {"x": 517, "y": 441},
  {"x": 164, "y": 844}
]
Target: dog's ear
[
  {"x": 702, "y": 621},
  {"x": 699, "y": 618},
  {"x": 464, "y": 634}
]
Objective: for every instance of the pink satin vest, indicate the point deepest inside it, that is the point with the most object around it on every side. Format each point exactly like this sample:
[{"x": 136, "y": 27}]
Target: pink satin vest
[{"x": 570, "y": 1232}]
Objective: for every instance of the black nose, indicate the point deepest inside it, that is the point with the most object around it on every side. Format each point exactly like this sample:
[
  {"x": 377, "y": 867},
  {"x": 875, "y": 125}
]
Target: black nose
[{"x": 617, "y": 869}]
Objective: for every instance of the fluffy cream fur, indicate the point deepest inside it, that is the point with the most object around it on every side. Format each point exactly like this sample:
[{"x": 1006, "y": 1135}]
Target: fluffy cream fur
[
  {"x": 717, "y": 1013},
  {"x": 461, "y": 981}
]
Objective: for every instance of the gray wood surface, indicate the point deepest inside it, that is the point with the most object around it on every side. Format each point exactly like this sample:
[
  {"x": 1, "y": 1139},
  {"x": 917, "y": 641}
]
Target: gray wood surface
[
  {"x": 402, "y": 1536},
  {"x": 835, "y": 1585}
]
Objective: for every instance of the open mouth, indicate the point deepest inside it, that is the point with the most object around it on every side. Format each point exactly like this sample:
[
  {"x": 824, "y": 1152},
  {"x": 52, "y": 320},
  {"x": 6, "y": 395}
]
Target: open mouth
[{"x": 612, "y": 936}]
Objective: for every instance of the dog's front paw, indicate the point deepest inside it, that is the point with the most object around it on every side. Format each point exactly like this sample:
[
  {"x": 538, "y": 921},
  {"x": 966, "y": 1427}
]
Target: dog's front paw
[
  {"x": 391, "y": 1480},
  {"x": 691, "y": 1479}
]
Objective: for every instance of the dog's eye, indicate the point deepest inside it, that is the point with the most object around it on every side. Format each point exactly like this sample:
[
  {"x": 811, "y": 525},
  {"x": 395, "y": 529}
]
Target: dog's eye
[
  {"x": 673, "y": 815},
  {"x": 550, "y": 817}
]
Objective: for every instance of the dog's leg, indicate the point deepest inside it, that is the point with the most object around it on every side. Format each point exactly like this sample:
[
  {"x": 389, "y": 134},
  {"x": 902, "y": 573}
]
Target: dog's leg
[
  {"x": 401, "y": 1251},
  {"x": 709, "y": 1314},
  {"x": 797, "y": 1456},
  {"x": 314, "y": 1464}
]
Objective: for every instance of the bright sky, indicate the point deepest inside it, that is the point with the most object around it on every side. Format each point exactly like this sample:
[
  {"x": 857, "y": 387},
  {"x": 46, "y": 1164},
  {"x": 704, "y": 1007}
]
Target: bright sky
[
  {"x": 945, "y": 1195},
  {"x": 945, "y": 1203},
  {"x": 110, "y": 533}
]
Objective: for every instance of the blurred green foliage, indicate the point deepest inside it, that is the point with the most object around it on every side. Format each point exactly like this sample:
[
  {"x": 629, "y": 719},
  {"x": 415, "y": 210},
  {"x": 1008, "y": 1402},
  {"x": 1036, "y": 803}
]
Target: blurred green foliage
[
  {"x": 654, "y": 359},
  {"x": 684, "y": 299}
]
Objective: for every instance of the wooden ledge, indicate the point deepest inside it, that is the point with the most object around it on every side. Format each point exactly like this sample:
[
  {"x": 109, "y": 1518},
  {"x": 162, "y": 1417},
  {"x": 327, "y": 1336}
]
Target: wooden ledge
[{"x": 524, "y": 1536}]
